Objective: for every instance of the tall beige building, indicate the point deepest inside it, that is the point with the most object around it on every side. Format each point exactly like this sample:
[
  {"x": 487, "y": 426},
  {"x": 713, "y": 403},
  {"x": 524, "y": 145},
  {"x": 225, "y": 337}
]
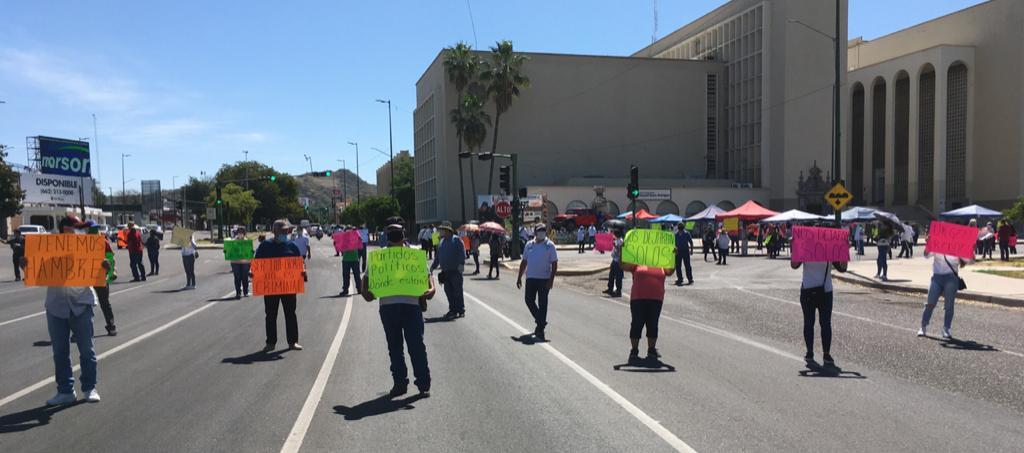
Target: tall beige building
[
  {"x": 384, "y": 173},
  {"x": 935, "y": 112}
]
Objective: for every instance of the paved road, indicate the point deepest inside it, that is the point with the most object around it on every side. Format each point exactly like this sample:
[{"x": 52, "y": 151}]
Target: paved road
[{"x": 184, "y": 373}]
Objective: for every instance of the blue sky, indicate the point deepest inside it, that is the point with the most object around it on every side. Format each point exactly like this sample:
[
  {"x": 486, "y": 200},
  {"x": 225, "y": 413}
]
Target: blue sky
[{"x": 185, "y": 86}]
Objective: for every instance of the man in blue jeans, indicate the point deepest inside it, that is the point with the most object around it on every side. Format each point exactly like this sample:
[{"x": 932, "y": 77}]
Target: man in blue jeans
[
  {"x": 540, "y": 263},
  {"x": 451, "y": 257},
  {"x": 402, "y": 317},
  {"x": 69, "y": 312},
  {"x": 684, "y": 248}
]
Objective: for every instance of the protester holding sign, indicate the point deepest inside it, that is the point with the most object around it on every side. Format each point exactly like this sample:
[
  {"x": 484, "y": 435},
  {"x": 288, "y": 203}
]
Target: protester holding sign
[
  {"x": 279, "y": 247},
  {"x": 540, "y": 264},
  {"x": 401, "y": 312},
  {"x": 68, "y": 308},
  {"x": 350, "y": 266},
  {"x": 645, "y": 300},
  {"x": 239, "y": 252},
  {"x": 189, "y": 254},
  {"x": 819, "y": 250},
  {"x": 950, "y": 247},
  {"x": 103, "y": 292}
]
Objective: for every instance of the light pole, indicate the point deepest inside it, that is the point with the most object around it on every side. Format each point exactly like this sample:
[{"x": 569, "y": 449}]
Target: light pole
[
  {"x": 359, "y": 197},
  {"x": 836, "y": 131},
  {"x": 123, "y": 155},
  {"x": 344, "y": 182},
  {"x": 310, "y": 161},
  {"x": 245, "y": 165},
  {"x": 96, "y": 141},
  {"x": 391, "y": 147}
]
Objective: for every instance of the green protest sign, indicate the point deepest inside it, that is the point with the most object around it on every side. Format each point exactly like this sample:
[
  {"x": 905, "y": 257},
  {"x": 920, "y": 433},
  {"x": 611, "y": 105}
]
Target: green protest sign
[
  {"x": 656, "y": 226},
  {"x": 649, "y": 248},
  {"x": 690, "y": 225},
  {"x": 235, "y": 250},
  {"x": 398, "y": 271}
]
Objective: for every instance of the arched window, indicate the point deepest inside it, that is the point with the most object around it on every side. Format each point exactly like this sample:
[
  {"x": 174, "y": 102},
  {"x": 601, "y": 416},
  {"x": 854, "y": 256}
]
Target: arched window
[
  {"x": 550, "y": 211},
  {"x": 726, "y": 205},
  {"x": 575, "y": 204},
  {"x": 641, "y": 205},
  {"x": 667, "y": 207},
  {"x": 613, "y": 209},
  {"x": 695, "y": 207}
]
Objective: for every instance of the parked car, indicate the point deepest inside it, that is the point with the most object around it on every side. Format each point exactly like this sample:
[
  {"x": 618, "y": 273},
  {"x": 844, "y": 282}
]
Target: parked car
[{"x": 32, "y": 229}]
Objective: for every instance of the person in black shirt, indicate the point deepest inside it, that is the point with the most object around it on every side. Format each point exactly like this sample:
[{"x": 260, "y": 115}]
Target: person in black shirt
[
  {"x": 278, "y": 247},
  {"x": 17, "y": 243},
  {"x": 153, "y": 250}
]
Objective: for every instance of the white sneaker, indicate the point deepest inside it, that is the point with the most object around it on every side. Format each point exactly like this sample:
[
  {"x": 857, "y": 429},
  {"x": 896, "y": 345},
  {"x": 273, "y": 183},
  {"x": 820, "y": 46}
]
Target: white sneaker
[
  {"x": 61, "y": 399},
  {"x": 946, "y": 334},
  {"x": 93, "y": 396},
  {"x": 921, "y": 332}
]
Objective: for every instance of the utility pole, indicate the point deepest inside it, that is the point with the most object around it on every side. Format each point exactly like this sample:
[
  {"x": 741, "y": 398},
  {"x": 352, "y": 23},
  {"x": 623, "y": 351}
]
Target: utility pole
[
  {"x": 344, "y": 182},
  {"x": 836, "y": 178},
  {"x": 123, "y": 155},
  {"x": 96, "y": 141},
  {"x": 391, "y": 147}
]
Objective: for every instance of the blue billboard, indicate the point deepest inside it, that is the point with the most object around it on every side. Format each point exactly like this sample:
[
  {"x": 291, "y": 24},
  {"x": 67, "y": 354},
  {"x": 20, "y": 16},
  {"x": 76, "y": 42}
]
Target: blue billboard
[{"x": 58, "y": 156}]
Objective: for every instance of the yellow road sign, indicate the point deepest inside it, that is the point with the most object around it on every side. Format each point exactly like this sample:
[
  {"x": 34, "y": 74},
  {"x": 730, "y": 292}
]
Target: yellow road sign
[{"x": 838, "y": 196}]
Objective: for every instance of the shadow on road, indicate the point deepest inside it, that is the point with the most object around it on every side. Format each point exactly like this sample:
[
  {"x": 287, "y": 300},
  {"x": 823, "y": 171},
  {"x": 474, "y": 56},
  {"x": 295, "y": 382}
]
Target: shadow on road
[
  {"x": 259, "y": 356},
  {"x": 339, "y": 296},
  {"x": 42, "y": 343},
  {"x": 222, "y": 299},
  {"x": 28, "y": 419},
  {"x": 820, "y": 371},
  {"x": 438, "y": 319},
  {"x": 378, "y": 406},
  {"x": 529, "y": 339},
  {"x": 645, "y": 365},
  {"x": 965, "y": 345},
  {"x": 170, "y": 291}
]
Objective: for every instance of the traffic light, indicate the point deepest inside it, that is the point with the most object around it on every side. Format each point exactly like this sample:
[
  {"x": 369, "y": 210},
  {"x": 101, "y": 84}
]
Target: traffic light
[
  {"x": 219, "y": 200},
  {"x": 271, "y": 178},
  {"x": 505, "y": 178},
  {"x": 633, "y": 189},
  {"x": 327, "y": 173}
]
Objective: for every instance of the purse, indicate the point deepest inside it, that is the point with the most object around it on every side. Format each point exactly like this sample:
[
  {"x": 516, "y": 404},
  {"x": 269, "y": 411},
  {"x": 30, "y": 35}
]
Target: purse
[
  {"x": 961, "y": 284},
  {"x": 441, "y": 277}
]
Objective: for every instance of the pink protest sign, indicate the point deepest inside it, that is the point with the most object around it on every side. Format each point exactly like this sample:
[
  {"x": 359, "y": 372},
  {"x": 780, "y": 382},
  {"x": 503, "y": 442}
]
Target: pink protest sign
[
  {"x": 951, "y": 239},
  {"x": 348, "y": 240},
  {"x": 603, "y": 242},
  {"x": 816, "y": 245}
]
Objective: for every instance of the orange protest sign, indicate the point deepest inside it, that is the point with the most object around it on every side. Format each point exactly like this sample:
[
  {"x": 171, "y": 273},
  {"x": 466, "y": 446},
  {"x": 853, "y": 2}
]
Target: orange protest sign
[
  {"x": 275, "y": 276},
  {"x": 65, "y": 260}
]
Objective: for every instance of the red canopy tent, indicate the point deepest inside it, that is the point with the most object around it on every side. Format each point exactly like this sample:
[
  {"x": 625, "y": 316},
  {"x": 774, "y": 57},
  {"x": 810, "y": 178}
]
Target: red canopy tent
[
  {"x": 750, "y": 211},
  {"x": 641, "y": 215}
]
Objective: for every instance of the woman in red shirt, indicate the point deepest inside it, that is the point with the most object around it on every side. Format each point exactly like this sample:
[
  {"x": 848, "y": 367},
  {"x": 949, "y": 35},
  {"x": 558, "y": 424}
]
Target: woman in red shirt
[{"x": 645, "y": 300}]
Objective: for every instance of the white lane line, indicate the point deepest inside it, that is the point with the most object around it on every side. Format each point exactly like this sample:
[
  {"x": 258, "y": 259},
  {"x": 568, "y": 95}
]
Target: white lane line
[
  {"x": 118, "y": 348},
  {"x": 860, "y": 318},
  {"x": 33, "y": 315},
  {"x": 666, "y": 435},
  {"x": 298, "y": 433}
]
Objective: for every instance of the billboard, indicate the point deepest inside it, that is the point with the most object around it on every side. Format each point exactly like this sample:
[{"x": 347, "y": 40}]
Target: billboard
[
  {"x": 55, "y": 189},
  {"x": 58, "y": 156},
  {"x": 152, "y": 200}
]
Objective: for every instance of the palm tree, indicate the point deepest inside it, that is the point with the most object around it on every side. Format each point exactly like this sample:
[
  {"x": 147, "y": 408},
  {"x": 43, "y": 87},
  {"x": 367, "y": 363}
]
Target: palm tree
[
  {"x": 462, "y": 67},
  {"x": 504, "y": 77},
  {"x": 474, "y": 121}
]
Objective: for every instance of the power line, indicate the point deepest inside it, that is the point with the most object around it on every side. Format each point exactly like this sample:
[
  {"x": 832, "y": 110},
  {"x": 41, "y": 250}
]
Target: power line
[{"x": 472, "y": 24}]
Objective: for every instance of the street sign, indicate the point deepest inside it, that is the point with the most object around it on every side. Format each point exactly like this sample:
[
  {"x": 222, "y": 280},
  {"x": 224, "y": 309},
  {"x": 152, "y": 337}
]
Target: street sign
[
  {"x": 211, "y": 213},
  {"x": 503, "y": 209},
  {"x": 55, "y": 189},
  {"x": 838, "y": 196}
]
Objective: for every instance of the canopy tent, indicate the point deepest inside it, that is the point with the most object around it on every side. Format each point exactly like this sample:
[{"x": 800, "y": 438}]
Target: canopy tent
[
  {"x": 708, "y": 213},
  {"x": 792, "y": 215},
  {"x": 972, "y": 211},
  {"x": 668, "y": 218},
  {"x": 640, "y": 215},
  {"x": 859, "y": 214},
  {"x": 749, "y": 211}
]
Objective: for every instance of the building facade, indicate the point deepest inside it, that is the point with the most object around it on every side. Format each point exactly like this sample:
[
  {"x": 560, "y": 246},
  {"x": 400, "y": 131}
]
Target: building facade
[
  {"x": 384, "y": 173},
  {"x": 935, "y": 112}
]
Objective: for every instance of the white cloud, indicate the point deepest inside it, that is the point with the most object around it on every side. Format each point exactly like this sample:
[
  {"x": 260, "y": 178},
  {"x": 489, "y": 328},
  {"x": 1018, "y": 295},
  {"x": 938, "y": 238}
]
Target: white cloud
[
  {"x": 60, "y": 78},
  {"x": 249, "y": 137}
]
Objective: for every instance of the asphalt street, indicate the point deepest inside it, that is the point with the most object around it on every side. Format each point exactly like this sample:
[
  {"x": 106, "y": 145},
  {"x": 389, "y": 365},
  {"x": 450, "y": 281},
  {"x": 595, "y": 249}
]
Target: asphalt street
[{"x": 185, "y": 372}]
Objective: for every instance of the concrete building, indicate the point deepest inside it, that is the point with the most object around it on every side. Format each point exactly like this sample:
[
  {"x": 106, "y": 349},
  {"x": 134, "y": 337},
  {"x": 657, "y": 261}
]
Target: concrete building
[
  {"x": 384, "y": 173},
  {"x": 935, "y": 112},
  {"x": 734, "y": 106}
]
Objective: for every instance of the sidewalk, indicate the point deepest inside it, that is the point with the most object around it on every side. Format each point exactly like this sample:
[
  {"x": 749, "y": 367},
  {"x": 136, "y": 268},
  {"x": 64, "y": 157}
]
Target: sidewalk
[{"x": 914, "y": 276}]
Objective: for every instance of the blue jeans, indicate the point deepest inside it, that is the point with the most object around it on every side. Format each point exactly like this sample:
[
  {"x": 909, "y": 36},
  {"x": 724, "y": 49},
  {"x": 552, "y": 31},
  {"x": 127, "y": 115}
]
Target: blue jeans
[
  {"x": 945, "y": 285},
  {"x": 406, "y": 320},
  {"x": 883, "y": 263},
  {"x": 60, "y": 339},
  {"x": 350, "y": 268},
  {"x": 615, "y": 275},
  {"x": 453, "y": 290},
  {"x": 241, "y": 274}
]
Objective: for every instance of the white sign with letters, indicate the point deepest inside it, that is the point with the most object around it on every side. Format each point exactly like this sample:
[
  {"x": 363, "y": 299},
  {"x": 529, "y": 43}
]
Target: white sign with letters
[
  {"x": 55, "y": 189},
  {"x": 655, "y": 194}
]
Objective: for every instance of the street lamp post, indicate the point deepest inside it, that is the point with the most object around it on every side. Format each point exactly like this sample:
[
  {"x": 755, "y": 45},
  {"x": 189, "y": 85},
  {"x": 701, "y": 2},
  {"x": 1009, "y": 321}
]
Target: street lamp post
[
  {"x": 391, "y": 146},
  {"x": 344, "y": 182},
  {"x": 359, "y": 197},
  {"x": 123, "y": 155}
]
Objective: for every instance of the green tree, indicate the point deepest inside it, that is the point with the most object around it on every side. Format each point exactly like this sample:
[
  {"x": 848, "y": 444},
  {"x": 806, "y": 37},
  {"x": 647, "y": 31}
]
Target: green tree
[
  {"x": 473, "y": 120},
  {"x": 11, "y": 194},
  {"x": 372, "y": 211},
  {"x": 1016, "y": 213},
  {"x": 462, "y": 67},
  {"x": 504, "y": 77},
  {"x": 240, "y": 203},
  {"x": 278, "y": 199}
]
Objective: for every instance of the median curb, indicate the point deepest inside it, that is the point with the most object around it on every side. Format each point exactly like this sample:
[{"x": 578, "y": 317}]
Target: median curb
[
  {"x": 571, "y": 272},
  {"x": 860, "y": 280}
]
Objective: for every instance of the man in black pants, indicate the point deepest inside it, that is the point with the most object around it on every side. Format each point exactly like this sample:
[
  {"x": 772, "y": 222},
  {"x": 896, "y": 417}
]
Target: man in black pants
[
  {"x": 280, "y": 247},
  {"x": 540, "y": 263},
  {"x": 153, "y": 250},
  {"x": 684, "y": 248},
  {"x": 17, "y": 243}
]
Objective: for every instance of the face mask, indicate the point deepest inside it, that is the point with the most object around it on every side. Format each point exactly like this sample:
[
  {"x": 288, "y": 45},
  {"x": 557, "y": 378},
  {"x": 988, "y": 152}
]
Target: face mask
[
  {"x": 541, "y": 235},
  {"x": 283, "y": 237}
]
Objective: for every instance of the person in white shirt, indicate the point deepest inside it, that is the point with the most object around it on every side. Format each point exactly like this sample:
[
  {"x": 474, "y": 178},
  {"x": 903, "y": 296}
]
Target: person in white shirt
[
  {"x": 540, "y": 263},
  {"x": 945, "y": 282},
  {"x": 581, "y": 238},
  {"x": 301, "y": 240},
  {"x": 592, "y": 236},
  {"x": 189, "y": 254},
  {"x": 816, "y": 296}
]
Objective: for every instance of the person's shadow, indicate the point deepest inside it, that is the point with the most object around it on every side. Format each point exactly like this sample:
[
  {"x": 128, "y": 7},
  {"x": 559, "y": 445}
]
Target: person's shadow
[
  {"x": 645, "y": 365},
  {"x": 829, "y": 371},
  {"x": 380, "y": 405},
  {"x": 528, "y": 339},
  {"x": 966, "y": 345},
  {"x": 258, "y": 356},
  {"x": 31, "y": 418},
  {"x": 437, "y": 319}
]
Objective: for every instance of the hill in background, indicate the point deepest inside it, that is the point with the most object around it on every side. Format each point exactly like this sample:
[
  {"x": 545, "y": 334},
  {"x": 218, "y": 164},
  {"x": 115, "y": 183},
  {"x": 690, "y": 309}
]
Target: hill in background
[{"x": 318, "y": 189}]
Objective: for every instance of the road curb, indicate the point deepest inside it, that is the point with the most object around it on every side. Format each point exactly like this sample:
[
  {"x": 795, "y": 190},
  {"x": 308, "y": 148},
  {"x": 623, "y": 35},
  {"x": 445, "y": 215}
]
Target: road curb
[
  {"x": 966, "y": 295},
  {"x": 565, "y": 272}
]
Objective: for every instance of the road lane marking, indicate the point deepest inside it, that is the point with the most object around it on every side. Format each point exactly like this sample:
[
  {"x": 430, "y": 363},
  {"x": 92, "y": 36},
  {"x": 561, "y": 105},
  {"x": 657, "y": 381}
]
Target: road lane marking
[
  {"x": 298, "y": 433},
  {"x": 666, "y": 435},
  {"x": 118, "y": 348},
  {"x": 33, "y": 315},
  {"x": 860, "y": 318}
]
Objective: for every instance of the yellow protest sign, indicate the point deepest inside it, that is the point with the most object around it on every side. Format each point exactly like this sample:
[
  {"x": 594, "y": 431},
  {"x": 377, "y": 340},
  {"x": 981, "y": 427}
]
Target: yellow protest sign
[
  {"x": 398, "y": 271},
  {"x": 731, "y": 224},
  {"x": 65, "y": 260},
  {"x": 649, "y": 248},
  {"x": 182, "y": 237},
  {"x": 276, "y": 276}
]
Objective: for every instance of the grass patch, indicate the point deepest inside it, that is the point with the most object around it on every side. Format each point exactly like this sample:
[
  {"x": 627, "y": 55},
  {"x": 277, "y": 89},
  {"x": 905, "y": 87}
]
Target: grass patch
[
  {"x": 1002, "y": 273},
  {"x": 1014, "y": 263}
]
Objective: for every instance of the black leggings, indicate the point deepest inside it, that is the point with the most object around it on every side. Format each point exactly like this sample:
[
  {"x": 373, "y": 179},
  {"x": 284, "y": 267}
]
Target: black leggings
[
  {"x": 822, "y": 302},
  {"x": 645, "y": 313}
]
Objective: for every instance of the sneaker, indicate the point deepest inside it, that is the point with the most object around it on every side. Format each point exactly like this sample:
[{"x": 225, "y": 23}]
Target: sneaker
[
  {"x": 679, "y": 283},
  {"x": 398, "y": 390},
  {"x": 111, "y": 331},
  {"x": 343, "y": 293},
  {"x": 92, "y": 396},
  {"x": 634, "y": 354},
  {"x": 295, "y": 347},
  {"x": 425, "y": 392},
  {"x": 922, "y": 332},
  {"x": 238, "y": 295},
  {"x": 652, "y": 353},
  {"x": 946, "y": 335},
  {"x": 268, "y": 348},
  {"x": 617, "y": 294},
  {"x": 539, "y": 334},
  {"x": 608, "y": 291},
  {"x": 61, "y": 399},
  {"x": 462, "y": 314},
  {"x": 829, "y": 361},
  {"x": 809, "y": 358}
]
